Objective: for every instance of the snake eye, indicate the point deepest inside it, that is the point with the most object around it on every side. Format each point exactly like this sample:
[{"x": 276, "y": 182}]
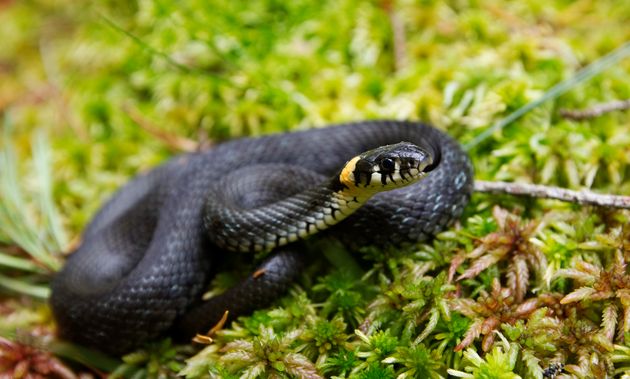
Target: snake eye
[{"x": 388, "y": 164}]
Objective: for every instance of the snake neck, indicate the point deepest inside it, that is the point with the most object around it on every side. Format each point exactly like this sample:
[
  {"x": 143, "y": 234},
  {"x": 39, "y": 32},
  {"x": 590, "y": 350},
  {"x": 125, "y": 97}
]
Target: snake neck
[{"x": 284, "y": 221}]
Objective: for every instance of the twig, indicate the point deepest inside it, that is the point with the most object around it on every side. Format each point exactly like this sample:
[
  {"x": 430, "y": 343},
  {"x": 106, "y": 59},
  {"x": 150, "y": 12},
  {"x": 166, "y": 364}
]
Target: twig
[
  {"x": 596, "y": 110},
  {"x": 398, "y": 34},
  {"x": 174, "y": 142},
  {"x": 583, "y": 197}
]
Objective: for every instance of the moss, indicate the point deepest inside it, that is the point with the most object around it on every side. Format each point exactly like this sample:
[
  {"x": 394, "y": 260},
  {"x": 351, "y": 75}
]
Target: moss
[{"x": 92, "y": 95}]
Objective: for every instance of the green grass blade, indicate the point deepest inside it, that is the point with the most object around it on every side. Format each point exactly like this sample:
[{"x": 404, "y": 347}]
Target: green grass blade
[
  {"x": 554, "y": 92},
  {"x": 41, "y": 159},
  {"x": 24, "y": 287},
  {"x": 143, "y": 44},
  {"x": 18, "y": 263},
  {"x": 16, "y": 221},
  {"x": 85, "y": 356},
  {"x": 13, "y": 207},
  {"x": 153, "y": 51}
]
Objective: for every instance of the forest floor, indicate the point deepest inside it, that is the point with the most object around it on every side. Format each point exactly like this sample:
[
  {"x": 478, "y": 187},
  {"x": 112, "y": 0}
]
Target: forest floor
[{"x": 91, "y": 95}]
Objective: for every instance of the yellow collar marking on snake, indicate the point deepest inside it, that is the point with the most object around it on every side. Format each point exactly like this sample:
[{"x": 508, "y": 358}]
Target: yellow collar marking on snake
[
  {"x": 352, "y": 193},
  {"x": 347, "y": 174}
]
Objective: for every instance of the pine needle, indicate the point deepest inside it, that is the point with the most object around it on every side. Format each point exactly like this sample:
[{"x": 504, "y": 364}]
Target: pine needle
[
  {"x": 24, "y": 286},
  {"x": 18, "y": 263},
  {"x": 17, "y": 226},
  {"x": 51, "y": 220},
  {"x": 31, "y": 223}
]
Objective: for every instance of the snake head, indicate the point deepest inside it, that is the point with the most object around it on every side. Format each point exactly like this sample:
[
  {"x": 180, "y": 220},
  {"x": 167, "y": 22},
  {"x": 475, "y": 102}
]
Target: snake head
[{"x": 387, "y": 167}]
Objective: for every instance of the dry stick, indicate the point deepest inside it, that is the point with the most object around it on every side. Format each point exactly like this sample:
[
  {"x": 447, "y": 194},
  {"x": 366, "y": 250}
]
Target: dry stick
[
  {"x": 172, "y": 141},
  {"x": 398, "y": 34},
  {"x": 583, "y": 197},
  {"x": 596, "y": 110}
]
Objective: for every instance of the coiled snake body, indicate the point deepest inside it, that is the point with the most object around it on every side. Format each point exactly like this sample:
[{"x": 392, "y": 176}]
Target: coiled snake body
[{"x": 147, "y": 255}]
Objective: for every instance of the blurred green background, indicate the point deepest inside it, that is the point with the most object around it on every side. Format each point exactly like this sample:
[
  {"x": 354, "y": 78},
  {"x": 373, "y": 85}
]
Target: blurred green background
[
  {"x": 88, "y": 75},
  {"x": 92, "y": 93}
]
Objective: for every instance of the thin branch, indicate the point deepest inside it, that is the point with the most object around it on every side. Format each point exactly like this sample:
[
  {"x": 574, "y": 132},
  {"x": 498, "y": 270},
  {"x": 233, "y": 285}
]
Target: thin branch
[
  {"x": 596, "y": 110},
  {"x": 398, "y": 34},
  {"x": 583, "y": 197},
  {"x": 173, "y": 142}
]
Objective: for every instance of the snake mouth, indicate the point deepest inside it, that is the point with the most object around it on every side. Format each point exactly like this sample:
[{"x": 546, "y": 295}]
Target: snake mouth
[{"x": 396, "y": 176}]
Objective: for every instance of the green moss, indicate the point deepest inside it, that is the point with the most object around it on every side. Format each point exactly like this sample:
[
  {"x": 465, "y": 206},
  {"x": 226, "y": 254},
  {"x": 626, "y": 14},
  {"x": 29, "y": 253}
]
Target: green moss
[{"x": 84, "y": 90}]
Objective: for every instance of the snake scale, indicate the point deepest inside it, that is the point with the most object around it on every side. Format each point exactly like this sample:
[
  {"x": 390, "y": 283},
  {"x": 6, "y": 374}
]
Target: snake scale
[{"x": 148, "y": 254}]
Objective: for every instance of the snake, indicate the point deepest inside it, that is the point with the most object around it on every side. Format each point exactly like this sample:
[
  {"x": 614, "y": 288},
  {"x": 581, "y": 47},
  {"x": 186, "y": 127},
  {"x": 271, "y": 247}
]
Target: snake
[{"x": 148, "y": 255}]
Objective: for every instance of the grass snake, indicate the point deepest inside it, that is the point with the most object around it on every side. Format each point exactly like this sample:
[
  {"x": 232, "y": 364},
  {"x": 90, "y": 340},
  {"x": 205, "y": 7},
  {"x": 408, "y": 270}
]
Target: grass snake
[{"x": 148, "y": 254}]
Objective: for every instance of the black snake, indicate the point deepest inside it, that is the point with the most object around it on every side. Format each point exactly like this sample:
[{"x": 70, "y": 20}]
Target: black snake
[{"x": 148, "y": 254}]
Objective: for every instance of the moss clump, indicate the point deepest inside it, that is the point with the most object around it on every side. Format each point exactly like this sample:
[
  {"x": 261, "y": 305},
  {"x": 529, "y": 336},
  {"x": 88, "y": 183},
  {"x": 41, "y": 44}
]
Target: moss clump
[{"x": 92, "y": 95}]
